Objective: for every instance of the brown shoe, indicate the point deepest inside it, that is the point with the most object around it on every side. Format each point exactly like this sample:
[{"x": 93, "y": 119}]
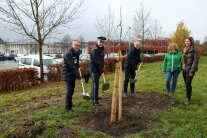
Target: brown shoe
[{"x": 187, "y": 101}]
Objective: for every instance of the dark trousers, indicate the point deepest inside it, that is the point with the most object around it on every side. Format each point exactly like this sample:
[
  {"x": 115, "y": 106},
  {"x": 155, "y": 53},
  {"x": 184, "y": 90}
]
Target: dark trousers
[
  {"x": 70, "y": 85},
  {"x": 188, "y": 83},
  {"x": 129, "y": 74},
  {"x": 95, "y": 79}
]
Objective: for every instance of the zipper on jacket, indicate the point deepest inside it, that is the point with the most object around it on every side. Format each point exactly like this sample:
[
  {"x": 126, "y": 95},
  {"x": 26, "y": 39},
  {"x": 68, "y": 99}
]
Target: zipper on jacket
[{"x": 172, "y": 63}]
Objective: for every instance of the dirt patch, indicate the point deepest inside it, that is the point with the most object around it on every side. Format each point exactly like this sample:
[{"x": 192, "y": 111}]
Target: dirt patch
[
  {"x": 29, "y": 129},
  {"x": 66, "y": 132},
  {"x": 137, "y": 111}
]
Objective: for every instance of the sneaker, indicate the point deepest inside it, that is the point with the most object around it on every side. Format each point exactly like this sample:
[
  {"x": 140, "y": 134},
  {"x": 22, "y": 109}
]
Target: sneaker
[
  {"x": 75, "y": 105},
  {"x": 125, "y": 95},
  {"x": 69, "y": 110},
  {"x": 97, "y": 104},
  {"x": 187, "y": 101}
]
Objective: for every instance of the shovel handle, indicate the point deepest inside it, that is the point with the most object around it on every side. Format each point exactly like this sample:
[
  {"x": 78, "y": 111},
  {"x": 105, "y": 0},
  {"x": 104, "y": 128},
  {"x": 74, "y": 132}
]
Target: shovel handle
[
  {"x": 104, "y": 78},
  {"x": 137, "y": 71},
  {"x": 81, "y": 82},
  {"x": 83, "y": 88},
  {"x": 80, "y": 72}
]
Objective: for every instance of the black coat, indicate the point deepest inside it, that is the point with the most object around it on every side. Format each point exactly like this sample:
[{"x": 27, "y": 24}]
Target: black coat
[
  {"x": 70, "y": 65},
  {"x": 133, "y": 58},
  {"x": 96, "y": 64},
  {"x": 192, "y": 59}
]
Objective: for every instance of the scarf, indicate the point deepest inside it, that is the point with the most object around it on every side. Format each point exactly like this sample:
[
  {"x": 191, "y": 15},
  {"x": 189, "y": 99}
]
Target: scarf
[{"x": 185, "y": 49}]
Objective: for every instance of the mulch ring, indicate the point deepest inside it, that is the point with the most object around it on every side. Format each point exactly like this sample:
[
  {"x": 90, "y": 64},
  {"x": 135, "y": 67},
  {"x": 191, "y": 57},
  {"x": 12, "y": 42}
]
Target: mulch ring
[{"x": 137, "y": 110}]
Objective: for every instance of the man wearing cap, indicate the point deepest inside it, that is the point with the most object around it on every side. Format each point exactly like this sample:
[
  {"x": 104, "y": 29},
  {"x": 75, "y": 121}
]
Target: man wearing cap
[
  {"x": 70, "y": 72},
  {"x": 130, "y": 66},
  {"x": 96, "y": 66}
]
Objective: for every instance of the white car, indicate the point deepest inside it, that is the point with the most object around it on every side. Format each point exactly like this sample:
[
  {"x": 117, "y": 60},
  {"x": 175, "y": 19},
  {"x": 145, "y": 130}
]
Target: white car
[
  {"x": 32, "y": 61},
  {"x": 111, "y": 55},
  {"x": 84, "y": 57}
]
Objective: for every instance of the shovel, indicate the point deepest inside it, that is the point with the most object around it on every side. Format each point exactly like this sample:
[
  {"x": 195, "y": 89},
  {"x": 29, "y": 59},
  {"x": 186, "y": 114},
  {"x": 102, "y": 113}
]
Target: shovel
[
  {"x": 84, "y": 94},
  {"x": 135, "y": 78},
  {"x": 106, "y": 85}
]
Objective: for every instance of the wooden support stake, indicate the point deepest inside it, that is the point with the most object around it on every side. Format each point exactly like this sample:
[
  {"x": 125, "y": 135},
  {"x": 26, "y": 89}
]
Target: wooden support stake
[
  {"x": 120, "y": 92},
  {"x": 115, "y": 95}
]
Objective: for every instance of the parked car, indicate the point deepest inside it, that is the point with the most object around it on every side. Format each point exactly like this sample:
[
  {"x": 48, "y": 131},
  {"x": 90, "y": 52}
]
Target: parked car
[
  {"x": 17, "y": 58},
  {"x": 32, "y": 61},
  {"x": 111, "y": 55},
  {"x": 54, "y": 55},
  {"x": 2, "y": 57},
  {"x": 148, "y": 55},
  {"x": 84, "y": 57}
]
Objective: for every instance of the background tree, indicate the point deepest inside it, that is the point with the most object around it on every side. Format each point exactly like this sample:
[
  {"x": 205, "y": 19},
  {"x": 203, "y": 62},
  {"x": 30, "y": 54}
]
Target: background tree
[
  {"x": 205, "y": 46},
  {"x": 181, "y": 33},
  {"x": 141, "y": 24},
  {"x": 155, "y": 32},
  {"x": 82, "y": 40},
  {"x": 105, "y": 26},
  {"x": 37, "y": 20},
  {"x": 66, "y": 40}
]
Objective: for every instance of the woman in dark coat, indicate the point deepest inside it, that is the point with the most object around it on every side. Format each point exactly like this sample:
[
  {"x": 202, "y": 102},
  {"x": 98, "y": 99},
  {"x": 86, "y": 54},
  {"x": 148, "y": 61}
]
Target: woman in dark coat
[{"x": 190, "y": 66}]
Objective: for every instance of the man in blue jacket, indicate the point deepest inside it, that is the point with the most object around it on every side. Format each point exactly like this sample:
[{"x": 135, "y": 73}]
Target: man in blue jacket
[
  {"x": 130, "y": 66},
  {"x": 70, "y": 72},
  {"x": 96, "y": 66}
]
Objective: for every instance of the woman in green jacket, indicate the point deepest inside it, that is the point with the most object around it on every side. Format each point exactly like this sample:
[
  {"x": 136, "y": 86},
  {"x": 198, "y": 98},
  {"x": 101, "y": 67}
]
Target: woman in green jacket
[{"x": 172, "y": 66}]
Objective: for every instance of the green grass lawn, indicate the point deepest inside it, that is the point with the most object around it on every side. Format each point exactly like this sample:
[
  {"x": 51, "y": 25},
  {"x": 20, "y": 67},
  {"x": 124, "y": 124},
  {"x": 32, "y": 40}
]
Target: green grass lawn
[{"x": 46, "y": 103}]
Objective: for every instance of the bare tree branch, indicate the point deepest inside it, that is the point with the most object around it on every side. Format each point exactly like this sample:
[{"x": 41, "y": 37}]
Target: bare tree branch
[{"x": 37, "y": 20}]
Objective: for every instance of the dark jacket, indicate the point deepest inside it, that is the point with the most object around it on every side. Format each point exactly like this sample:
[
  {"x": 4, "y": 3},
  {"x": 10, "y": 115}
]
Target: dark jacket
[
  {"x": 191, "y": 60},
  {"x": 70, "y": 65},
  {"x": 96, "y": 64},
  {"x": 133, "y": 58}
]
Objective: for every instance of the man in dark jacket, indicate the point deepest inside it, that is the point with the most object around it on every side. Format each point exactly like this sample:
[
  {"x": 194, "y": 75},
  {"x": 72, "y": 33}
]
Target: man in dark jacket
[
  {"x": 96, "y": 66},
  {"x": 132, "y": 60},
  {"x": 70, "y": 72}
]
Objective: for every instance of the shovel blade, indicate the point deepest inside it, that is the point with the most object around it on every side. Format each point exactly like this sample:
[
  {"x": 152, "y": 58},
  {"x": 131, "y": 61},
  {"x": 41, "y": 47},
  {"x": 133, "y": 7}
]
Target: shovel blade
[
  {"x": 133, "y": 80},
  {"x": 105, "y": 86},
  {"x": 85, "y": 96}
]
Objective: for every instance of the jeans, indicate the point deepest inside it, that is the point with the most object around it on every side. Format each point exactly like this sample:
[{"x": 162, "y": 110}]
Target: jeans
[
  {"x": 171, "y": 76},
  {"x": 95, "y": 79},
  {"x": 129, "y": 74},
  {"x": 70, "y": 85},
  {"x": 188, "y": 81}
]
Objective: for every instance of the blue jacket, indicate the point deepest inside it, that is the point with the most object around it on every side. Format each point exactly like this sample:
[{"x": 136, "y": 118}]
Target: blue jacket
[
  {"x": 96, "y": 64},
  {"x": 133, "y": 58},
  {"x": 70, "y": 65}
]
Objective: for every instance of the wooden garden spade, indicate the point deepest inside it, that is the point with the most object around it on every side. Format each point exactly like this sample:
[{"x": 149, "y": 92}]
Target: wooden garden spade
[
  {"x": 106, "y": 85},
  {"x": 84, "y": 94},
  {"x": 135, "y": 78}
]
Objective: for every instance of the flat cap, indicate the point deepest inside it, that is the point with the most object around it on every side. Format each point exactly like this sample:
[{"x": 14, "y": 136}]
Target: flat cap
[{"x": 102, "y": 38}]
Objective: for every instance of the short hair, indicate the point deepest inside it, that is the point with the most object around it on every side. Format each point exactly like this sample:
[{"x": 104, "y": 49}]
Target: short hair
[
  {"x": 76, "y": 41},
  {"x": 169, "y": 48},
  {"x": 137, "y": 41},
  {"x": 191, "y": 40}
]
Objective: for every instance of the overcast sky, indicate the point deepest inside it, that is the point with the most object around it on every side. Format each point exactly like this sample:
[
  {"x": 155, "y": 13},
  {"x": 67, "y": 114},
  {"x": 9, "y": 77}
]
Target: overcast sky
[{"x": 167, "y": 12}]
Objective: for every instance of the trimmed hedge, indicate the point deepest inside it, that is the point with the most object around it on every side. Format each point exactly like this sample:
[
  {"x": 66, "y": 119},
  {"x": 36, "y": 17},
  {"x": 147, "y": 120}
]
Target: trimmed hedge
[
  {"x": 17, "y": 79},
  {"x": 55, "y": 70}
]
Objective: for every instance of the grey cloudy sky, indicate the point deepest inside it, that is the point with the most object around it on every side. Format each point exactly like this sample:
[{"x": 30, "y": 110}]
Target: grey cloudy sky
[{"x": 167, "y": 12}]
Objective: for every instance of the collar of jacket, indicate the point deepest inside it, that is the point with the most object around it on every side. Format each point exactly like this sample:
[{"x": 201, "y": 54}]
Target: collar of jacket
[
  {"x": 98, "y": 47},
  {"x": 190, "y": 49},
  {"x": 73, "y": 51}
]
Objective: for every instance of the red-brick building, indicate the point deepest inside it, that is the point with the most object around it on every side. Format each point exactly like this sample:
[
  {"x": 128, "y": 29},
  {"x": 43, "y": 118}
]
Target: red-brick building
[{"x": 160, "y": 46}]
